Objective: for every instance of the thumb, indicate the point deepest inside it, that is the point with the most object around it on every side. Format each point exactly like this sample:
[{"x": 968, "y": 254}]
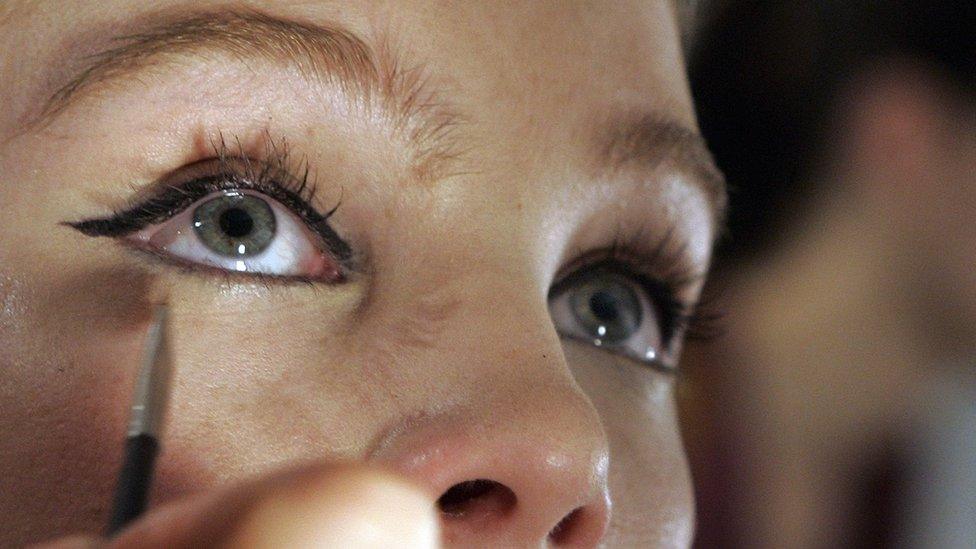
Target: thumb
[
  {"x": 316, "y": 506},
  {"x": 355, "y": 509}
]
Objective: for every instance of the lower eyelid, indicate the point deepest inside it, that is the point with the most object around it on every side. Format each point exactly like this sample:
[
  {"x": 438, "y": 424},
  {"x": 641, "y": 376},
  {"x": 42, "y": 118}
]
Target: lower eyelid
[
  {"x": 209, "y": 273},
  {"x": 662, "y": 364}
]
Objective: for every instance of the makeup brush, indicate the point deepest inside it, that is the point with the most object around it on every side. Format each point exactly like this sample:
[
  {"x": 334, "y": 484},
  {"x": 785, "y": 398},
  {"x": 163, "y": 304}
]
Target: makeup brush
[{"x": 145, "y": 423}]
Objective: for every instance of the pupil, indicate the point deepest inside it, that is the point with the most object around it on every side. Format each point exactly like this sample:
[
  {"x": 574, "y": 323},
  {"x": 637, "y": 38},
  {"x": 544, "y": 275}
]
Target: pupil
[
  {"x": 604, "y": 306},
  {"x": 236, "y": 223}
]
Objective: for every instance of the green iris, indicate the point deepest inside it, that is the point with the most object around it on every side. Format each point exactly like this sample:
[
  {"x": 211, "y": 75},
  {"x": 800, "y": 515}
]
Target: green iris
[
  {"x": 235, "y": 225},
  {"x": 607, "y": 307}
]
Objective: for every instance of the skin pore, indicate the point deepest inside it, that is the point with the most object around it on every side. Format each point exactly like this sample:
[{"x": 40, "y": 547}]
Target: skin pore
[{"x": 478, "y": 155}]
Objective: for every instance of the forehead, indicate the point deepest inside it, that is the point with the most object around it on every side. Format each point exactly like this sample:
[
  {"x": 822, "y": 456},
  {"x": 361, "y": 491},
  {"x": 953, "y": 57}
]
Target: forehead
[
  {"x": 550, "y": 74},
  {"x": 618, "y": 53},
  {"x": 622, "y": 55}
]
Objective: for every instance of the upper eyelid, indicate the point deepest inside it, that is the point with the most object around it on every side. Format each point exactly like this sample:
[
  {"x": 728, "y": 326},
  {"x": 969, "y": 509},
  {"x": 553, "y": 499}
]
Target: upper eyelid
[
  {"x": 159, "y": 204},
  {"x": 171, "y": 195},
  {"x": 664, "y": 264},
  {"x": 234, "y": 171}
]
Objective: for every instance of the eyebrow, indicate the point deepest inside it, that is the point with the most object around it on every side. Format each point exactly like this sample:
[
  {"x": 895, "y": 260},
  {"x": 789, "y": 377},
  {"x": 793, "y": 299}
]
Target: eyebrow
[
  {"x": 337, "y": 56},
  {"x": 651, "y": 140},
  {"x": 320, "y": 53}
]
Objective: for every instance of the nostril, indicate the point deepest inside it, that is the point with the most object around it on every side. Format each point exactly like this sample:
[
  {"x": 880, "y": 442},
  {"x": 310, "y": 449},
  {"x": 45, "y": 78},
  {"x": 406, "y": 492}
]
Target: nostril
[
  {"x": 477, "y": 499},
  {"x": 564, "y": 531}
]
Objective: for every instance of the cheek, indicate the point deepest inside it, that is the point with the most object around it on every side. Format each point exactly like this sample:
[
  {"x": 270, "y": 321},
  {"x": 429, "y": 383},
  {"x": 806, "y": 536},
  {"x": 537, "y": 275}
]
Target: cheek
[
  {"x": 72, "y": 324},
  {"x": 264, "y": 376},
  {"x": 67, "y": 374},
  {"x": 649, "y": 479}
]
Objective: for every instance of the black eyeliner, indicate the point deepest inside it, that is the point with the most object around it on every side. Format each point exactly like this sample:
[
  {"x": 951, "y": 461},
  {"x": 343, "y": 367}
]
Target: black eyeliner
[{"x": 175, "y": 198}]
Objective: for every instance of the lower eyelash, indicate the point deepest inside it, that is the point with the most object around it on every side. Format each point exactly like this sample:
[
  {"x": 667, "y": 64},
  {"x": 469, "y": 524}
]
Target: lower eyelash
[{"x": 209, "y": 272}]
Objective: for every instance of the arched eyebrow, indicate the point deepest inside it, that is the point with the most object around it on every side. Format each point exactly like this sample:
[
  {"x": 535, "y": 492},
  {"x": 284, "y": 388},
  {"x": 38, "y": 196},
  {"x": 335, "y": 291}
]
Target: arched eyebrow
[
  {"x": 321, "y": 53},
  {"x": 647, "y": 142},
  {"x": 337, "y": 56}
]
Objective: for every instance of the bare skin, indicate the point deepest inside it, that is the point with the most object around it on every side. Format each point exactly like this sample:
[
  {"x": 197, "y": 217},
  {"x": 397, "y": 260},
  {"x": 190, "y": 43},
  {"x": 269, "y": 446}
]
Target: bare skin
[{"x": 508, "y": 147}]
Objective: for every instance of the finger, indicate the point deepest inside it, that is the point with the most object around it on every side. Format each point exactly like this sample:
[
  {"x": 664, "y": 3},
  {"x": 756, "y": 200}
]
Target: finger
[
  {"x": 316, "y": 506},
  {"x": 73, "y": 542}
]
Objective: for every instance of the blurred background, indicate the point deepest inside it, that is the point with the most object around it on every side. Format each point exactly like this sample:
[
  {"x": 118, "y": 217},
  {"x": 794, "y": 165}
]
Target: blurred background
[{"x": 837, "y": 406}]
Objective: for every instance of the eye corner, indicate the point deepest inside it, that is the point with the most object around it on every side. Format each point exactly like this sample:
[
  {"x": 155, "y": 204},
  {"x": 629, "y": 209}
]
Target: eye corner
[{"x": 161, "y": 221}]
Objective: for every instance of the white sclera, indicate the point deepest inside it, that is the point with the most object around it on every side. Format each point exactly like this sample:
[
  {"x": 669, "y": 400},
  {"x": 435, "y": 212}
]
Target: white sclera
[
  {"x": 643, "y": 345},
  {"x": 295, "y": 251}
]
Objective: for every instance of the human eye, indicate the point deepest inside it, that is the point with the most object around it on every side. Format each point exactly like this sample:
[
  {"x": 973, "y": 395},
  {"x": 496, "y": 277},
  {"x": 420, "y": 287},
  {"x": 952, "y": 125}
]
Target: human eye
[
  {"x": 232, "y": 215},
  {"x": 612, "y": 304}
]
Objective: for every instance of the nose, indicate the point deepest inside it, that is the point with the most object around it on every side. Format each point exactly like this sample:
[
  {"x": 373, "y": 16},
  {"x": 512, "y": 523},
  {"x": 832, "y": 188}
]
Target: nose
[
  {"x": 512, "y": 471},
  {"x": 495, "y": 427}
]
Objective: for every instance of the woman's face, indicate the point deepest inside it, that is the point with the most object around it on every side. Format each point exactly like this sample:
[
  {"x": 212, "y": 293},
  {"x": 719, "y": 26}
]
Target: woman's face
[{"x": 511, "y": 216}]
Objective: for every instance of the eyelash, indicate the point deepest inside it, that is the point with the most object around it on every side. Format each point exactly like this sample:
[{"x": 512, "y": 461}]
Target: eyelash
[
  {"x": 272, "y": 177},
  {"x": 269, "y": 176},
  {"x": 663, "y": 273}
]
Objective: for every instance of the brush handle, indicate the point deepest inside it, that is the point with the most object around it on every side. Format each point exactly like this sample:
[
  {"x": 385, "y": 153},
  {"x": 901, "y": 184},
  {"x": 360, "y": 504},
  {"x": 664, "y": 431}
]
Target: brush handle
[{"x": 134, "y": 481}]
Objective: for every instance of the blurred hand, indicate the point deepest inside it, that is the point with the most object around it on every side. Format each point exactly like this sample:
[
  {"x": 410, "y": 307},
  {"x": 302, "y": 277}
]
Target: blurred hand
[{"x": 314, "y": 506}]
